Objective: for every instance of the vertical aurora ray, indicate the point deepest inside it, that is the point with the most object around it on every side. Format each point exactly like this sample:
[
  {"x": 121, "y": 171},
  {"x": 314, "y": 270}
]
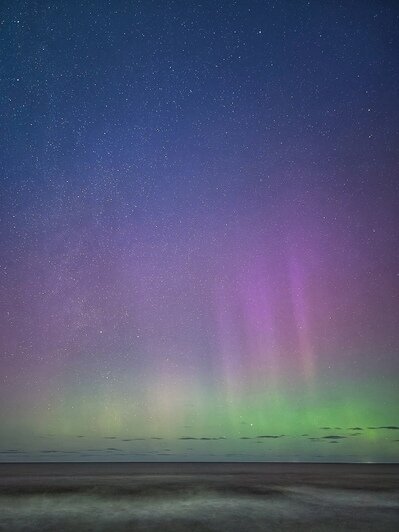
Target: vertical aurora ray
[{"x": 301, "y": 320}]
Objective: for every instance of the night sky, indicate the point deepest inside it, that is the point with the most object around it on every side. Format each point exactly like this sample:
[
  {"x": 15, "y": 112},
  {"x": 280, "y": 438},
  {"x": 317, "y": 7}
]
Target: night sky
[{"x": 199, "y": 230}]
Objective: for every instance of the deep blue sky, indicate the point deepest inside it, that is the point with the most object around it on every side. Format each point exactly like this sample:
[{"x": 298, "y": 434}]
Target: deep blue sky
[{"x": 199, "y": 229}]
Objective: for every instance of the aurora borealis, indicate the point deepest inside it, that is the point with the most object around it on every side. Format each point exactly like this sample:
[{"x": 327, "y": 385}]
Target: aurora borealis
[{"x": 199, "y": 231}]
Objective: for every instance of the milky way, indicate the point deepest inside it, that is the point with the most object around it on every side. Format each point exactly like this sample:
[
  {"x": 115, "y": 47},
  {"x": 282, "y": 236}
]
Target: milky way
[{"x": 199, "y": 245}]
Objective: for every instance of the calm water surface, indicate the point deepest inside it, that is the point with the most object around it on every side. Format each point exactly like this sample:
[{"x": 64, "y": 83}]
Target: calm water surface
[{"x": 199, "y": 497}]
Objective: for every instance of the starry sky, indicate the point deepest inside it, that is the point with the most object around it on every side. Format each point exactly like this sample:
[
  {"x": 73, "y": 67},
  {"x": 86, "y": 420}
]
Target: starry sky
[{"x": 199, "y": 232}]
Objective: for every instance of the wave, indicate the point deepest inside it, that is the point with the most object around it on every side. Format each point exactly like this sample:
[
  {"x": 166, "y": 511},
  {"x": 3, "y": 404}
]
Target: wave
[{"x": 168, "y": 507}]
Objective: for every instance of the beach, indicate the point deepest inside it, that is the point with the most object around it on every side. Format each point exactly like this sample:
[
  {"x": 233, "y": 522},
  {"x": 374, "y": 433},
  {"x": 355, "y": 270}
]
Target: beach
[{"x": 198, "y": 496}]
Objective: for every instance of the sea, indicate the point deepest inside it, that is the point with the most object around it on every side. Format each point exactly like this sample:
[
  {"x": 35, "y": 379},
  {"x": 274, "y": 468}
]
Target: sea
[{"x": 175, "y": 497}]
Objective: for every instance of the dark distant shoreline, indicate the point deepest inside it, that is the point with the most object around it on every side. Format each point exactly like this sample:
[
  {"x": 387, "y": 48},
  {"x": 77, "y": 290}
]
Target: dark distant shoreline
[{"x": 355, "y": 475}]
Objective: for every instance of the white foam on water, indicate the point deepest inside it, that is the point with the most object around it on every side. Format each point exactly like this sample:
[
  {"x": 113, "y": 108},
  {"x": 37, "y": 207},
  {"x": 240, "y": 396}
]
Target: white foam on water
[{"x": 293, "y": 509}]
